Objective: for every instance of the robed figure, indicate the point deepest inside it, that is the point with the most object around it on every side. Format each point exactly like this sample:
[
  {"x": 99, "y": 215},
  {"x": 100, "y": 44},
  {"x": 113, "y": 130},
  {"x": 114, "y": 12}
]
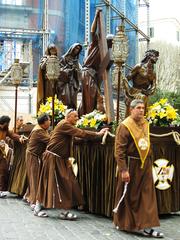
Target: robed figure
[
  {"x": 94, "y": 66},
  {"x": 141, "y": 81},
  {"x": 44, "y": 86},
  {"x": 70, "y": 73}
]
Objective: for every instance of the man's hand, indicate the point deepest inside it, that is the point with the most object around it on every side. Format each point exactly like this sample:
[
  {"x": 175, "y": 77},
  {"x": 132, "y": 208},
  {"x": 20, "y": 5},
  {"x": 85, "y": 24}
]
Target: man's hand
[
  {"x": 102, "y": 131},
  {"x": 22, "y": 139},
  {"x": 125, "y": 176}
]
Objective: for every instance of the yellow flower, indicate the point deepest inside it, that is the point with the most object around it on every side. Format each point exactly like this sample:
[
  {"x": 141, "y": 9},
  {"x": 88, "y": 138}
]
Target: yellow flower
[
  {"x": 171, "y": 113},
  {"x": 162, "y": 114},
  {"x": 156, "y": 104},
  {"x": 85, "y": 122},
  {"x": 92, "y": 122},
  {"x": 59, "y": 108},
  {"x": 49, "y": 99},
  {"x": 62, "y": 107},
  {"x": 163, "y": 101}
]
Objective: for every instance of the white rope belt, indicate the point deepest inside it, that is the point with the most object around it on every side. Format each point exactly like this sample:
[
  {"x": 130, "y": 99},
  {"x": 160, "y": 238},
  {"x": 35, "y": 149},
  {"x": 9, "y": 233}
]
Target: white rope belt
[
  {"x": 53, "y": 153},
  {"x": 122, "y": 197},
  {"x": 56, "y": 180}
]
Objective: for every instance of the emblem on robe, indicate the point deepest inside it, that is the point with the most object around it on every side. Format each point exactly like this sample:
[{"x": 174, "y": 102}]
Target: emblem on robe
[
  {"x": 162, "y": 174},
  {"x": 142, "y": 144}
]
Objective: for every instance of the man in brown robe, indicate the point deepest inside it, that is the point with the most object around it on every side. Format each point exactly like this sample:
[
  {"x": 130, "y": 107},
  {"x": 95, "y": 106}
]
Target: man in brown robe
[
  {"x": 137, "y": 211},
  {"x": 38, "y": 140},
  {"x": 4, "y": 165},
  {"x": 58, "y": 187}
]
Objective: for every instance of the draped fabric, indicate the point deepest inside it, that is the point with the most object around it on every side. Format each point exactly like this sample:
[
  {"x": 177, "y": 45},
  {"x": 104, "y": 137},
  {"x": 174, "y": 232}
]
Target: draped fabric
[
  {"x": 168, "y": 200},
  {"x": 96, "y": 176},
  {"x": 97, "y": 170}
]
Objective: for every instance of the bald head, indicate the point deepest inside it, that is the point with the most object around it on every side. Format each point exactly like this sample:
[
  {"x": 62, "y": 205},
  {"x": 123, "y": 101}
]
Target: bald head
[{"x": 71, "y": 116}]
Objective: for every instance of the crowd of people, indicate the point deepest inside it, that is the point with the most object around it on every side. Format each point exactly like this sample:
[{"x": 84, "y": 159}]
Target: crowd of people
[{"x": 51, "y": 182}]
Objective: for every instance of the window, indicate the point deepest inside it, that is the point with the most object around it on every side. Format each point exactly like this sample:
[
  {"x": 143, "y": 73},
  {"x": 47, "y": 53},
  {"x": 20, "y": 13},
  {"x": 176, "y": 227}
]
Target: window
[
  {"x": 12, "y": 2},
  {"x": 151, "y": 32}
]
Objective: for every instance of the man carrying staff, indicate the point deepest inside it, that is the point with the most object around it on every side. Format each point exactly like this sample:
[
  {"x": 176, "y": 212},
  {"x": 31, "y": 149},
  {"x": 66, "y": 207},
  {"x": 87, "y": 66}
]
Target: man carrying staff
[
  {"x": 58, "y": 187},
  {"x": 137, "y": 212}
]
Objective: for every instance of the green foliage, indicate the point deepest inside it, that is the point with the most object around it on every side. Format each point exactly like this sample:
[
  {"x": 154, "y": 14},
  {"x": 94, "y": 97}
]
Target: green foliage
[{"x": 173, "y": 98}]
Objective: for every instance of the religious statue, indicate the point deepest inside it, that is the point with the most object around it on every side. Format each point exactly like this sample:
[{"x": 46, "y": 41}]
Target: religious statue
[
  {"x": 141, "y": 82},
  {"x": 92, "y": 71},
  {"x": 44, "y": 86},
  {"x": 67, "y": 86}
]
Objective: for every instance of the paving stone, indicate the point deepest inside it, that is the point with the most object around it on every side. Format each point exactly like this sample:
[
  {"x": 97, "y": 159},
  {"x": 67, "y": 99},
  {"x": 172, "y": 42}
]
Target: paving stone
[{"x": 17, "y": 222}]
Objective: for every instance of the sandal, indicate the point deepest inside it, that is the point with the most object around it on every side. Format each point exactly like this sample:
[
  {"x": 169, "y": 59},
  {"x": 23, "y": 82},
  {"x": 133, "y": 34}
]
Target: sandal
[
  {"x": 3, "y": 195},
  {"x": 40, "y": 214},
  {"x": 153, "y": 233},
  {"x": 68, "y": 216},
  {"x": 32, "y": 206}
]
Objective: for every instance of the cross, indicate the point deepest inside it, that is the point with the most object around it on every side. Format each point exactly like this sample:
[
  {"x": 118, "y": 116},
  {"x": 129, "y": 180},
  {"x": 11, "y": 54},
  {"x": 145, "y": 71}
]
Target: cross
[{"x": 105, "y": 64}]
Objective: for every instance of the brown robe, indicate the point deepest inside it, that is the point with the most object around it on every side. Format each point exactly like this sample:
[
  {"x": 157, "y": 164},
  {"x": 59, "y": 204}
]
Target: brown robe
[
  {"x": 58, "y": 187},
  {"x": 38, "y": 141},
  {"x": 4, "y": 164},
  {"x": 67, "y": 86},
  {"x": 90, "y": 80},
  {"x": 44, "y": 86},
  {"x": 138, "y": 210},
  {"x": 18, "y": 175}
]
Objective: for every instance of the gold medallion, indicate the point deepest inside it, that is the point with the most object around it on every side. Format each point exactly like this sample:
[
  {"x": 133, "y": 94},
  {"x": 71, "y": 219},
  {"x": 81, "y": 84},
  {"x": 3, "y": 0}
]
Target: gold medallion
[{"x": 142, "y": 144}]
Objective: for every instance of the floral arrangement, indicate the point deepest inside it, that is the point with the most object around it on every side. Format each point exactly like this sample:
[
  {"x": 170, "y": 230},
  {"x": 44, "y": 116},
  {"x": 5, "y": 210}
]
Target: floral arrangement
[
  {"x": 59, "y": 108},
  {"x": 94, "y": 119},
  {"x": 162, "y": 113}
]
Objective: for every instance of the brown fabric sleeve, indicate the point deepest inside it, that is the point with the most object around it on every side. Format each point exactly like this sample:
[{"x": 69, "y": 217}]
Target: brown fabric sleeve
[
  {"x": 42, "y": 136},
  {"x": 77, "y": 132},
  {"x": 13, "y": 135},
  {"x": 121, "y": 145}
]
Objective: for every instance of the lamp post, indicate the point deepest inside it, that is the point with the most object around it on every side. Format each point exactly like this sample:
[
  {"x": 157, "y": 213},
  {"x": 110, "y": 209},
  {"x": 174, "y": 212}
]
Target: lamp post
[
  {"x": 16, "y": 77},
  {"x": 52, "y": 73},
  {"x": 119, "y": 54}
]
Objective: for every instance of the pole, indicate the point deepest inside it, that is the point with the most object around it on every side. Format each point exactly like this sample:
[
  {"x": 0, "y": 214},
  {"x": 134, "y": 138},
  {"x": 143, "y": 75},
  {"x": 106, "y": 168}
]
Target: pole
[
  {"x": 15, "y": 113},
  {"x": 118, "y": 93},
  {"x": 52, "y": 104}
]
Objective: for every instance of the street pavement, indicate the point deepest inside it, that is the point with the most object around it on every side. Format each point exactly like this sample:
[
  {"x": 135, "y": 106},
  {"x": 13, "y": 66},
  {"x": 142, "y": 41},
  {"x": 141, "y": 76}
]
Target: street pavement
[{"x": 17, "y": 222}]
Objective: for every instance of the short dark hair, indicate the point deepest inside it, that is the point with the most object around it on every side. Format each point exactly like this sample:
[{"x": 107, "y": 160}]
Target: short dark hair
[
  {"x": 135, "y": 102},
  {"x": 42, "y": 118},
  {"x": 4, "y": 119}
]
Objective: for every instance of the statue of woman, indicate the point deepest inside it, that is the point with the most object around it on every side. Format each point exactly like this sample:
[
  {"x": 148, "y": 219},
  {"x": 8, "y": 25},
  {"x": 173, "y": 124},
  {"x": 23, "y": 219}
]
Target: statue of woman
[{"x": 70, "y": 73}]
